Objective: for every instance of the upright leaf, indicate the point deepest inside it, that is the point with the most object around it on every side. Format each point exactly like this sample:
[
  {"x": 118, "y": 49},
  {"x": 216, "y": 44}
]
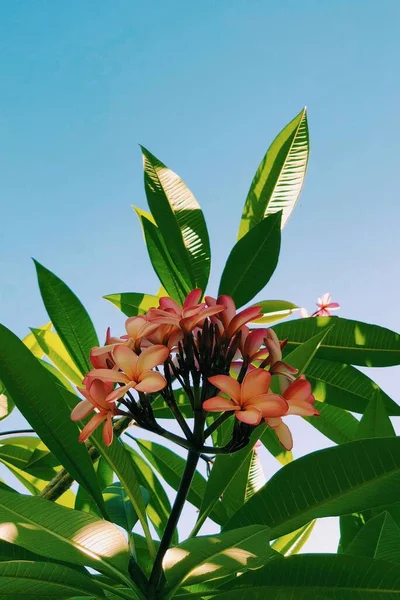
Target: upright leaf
[
  {"x": 41, "y": 402},
  {"x": 252, "y": 261},
  {"x": 55, "y": 350},
  {"x": 349, "y": 341},
  {"x": 279, "y": 178},
  {"x": 336, "y": 481},
  {"x": 31, "y": 343},
  {"x": 248, "y": 480},
  {"x": 69, "y": 317},
  {"x": 33, "y": 580},
  {"x": 179, "y": 218},
  {"x": 375, "y": 421},
  {"x": 163, "y": 263}
]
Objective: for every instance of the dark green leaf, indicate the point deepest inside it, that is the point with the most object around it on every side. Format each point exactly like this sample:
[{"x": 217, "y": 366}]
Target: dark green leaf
[
  {"x": 336, "y": 424},
  {"x": 69, "y": 317},
  {"x": 119, "y": 507},
  {"x": 252, "y": 261},
  {"x": 375, "y": 421},
  {"x": 379, "y": 538}
]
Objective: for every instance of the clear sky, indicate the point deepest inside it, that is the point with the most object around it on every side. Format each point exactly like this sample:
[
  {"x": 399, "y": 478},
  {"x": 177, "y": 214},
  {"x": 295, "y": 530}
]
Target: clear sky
[{"x": 205, "y": 86}]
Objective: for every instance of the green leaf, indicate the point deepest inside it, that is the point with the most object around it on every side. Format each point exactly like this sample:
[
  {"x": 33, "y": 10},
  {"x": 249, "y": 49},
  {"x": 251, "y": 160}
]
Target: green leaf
[
  {"x": 206, "y": 558},
  {"x": 6, "y": 403},
  {"x": 33, "y": 580},
  {"x": 336, "y": 424},
  {"x": 340, "y": 480},
  {"x": 171, "y": 467},
  {"x": 345, "y": 386},
  {"x": 58, "y": 375},
  {"x": 249, "y": 479},
  {"x": 161, "y": 410},
  {"x": 271, "y": 443},
  {"x": 292, "y": 542},
  {"x": 55, "y": 350},
  {"x": 69, "y": 317},
  {"x": 375, "y": 421},
  {"x": 31, "y": 343},
  {"x": 105, "y": 475},
  {"x": 275, "y": 310},
  {"x": 41, "y": 402},
  {"x": 379, "y": 538},
  {"x": 179, "y": 218},
  {"x": 319, "y": 576},
  {"x": 349, "y": 341},
  {"x": 119, "y": 507},
  {"x": 159, "y": 507},
  {"x": 132, "y": 304},
  {"x": 166, "y": 269},
  {"x": 62, "y": 533},
  {"x": 252, "y": 261},
  {"x": 280, "y": 176}
]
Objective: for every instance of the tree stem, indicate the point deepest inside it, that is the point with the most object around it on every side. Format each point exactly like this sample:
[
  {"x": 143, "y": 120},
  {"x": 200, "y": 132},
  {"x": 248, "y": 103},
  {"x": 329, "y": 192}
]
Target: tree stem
[{"x": 190, "y": 468}]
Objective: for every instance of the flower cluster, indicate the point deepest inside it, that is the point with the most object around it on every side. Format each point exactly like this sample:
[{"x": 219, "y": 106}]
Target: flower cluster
[{"x": 208, "y": 349}]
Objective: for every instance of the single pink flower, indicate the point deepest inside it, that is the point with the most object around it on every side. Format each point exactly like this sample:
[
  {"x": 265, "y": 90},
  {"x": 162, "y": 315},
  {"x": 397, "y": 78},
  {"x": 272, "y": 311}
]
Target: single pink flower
[
  {"x": 96, "y": 393},
  {"x": 136, "y": 370},
  {"x": 228, "y": 322},
  {"x": 250, "y": 400},
  {"x": 300, "y": 402},
  {"x": 325, "y": 306}
]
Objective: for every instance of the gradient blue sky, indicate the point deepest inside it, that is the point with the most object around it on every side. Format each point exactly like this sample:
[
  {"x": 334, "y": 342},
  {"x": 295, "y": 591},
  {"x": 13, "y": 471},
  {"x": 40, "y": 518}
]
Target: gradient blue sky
[{"x": 205, "y": 86}]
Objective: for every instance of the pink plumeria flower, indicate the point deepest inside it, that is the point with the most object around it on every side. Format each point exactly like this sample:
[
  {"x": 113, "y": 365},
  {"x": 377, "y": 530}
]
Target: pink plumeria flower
[
  {"x": 228, "y": 321},
  {"x": 187, "y": 317},
  {"x": 325, "y": 306},
  {"x": 96, "y": 395},
  {"x": 250, "y": 400},
  {"x": 136, "y": 370},
  {"x": 300, "y": 402}
]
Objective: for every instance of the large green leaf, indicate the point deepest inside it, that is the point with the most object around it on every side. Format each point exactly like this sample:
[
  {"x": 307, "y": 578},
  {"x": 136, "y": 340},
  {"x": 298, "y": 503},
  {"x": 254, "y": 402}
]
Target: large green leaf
[
  {"x": 348, "y": 342},
  {"x": 55, "y": 350},
  {"x": 179, "y": 218},
  {"x": 171, "y": 467},
  {"x": 335, "y": 423},
  {"x": 340, "y": 480},
  {"x": 379, "y": 538},
  {"x": 58, "y": 375},
  {"x": 252, "y": 261},
  {"x": 69, "y": 317},
  {"x": 375, "y": 421},
  {"x": 41, "y": 402},
  {"x": 345, "y": 386},
  {"x": 319, "y": 576},
  {"x": 206, "y": 558},
  {"x": 279, "y": 178},
  {"x": 33, "y": 580},
  {"x": 62, "y": 533},
  {"x": 132, "y": 304},
  {"x": 166, "y": 269},
  {"x": 292, "y": 542},
  {"x": 248, "y": 480},
  {"x": 105, "y": 475}
]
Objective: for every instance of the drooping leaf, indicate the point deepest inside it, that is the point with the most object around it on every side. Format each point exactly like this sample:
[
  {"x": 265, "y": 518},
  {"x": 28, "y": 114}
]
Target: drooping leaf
[
  {"x": 319, "y": 576},
  {"x": 55, "y": 350},
  {"x": 33, "y": 580},
  {"x": 179, "y": 218},
  {"x": 349, "y": 341},
  {"x": 280, "y": 176},
  {"x": 252, "y": 261},
  {"x": 132, "y": 304},
  {"x": 41, "y": 402},
  {"x": 275, "y": 310},
  {"x": 351, "y": 477},
  {"x": 62, "y": 533},
  {"x": 69, "y": 317},
  {"x": 379, "y": 538},
  {"x": 171, "y": 467},
  {"x": 166, "y": 269},
  {"x": 206, "y": 558},
  {"x": 345, "y": 386}
]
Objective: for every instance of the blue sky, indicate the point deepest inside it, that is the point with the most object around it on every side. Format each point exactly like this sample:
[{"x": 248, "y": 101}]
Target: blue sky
[{"x": 205, "y": 86}]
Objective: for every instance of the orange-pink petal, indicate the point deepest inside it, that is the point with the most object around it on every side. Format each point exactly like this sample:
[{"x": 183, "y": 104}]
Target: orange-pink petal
[
  {"x": 82, "y": 410},
  {"x": 126, "y": 360},
  {"x": 108, "y": 431},
  {"x": 108, "y": 375},
  {"x": 151, "y": 357},
  {"x": 193, "y": 298},
  {"x": 246, "y": 315},
  {"x": 255, "y": 383},
  {"x": 94, "y": 422},
  {"x": 219, "y": 404},
  {"x": 150, "y": 381},
  {"x": 251, "y": 416},
  {"x": 227, "y": 385},
  {"x": 271, "y": 405},
  {"x": 119, "y": 392}
]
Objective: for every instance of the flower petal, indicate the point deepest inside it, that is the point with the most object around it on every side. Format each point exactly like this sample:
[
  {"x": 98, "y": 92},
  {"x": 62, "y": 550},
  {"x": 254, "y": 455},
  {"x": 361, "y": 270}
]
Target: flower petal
[
  {"x": 150, "y": 381},
  {"x": 108, "y": 375},
  {"x": 108, "y": 431},
  {"x": 219, "y": 404},
  {"x": 193, "y": 298},
  {"x": 270, "y": 405},
  {"x": 301, "y": 408},
  {"x": 151, "y": 357},
  {"x": 284, "y": 436},
  {"x": 299, "y": 390},
  {"x": 246, "y": 315},
  {"x": 230, "y": 310},
  {"x": 82, "y": 410},
  {"x": 254, "y": 341},
  {"x": 251, "y": 416},
  {"x": 126, "y": 360},
  {"x": 166, "y": 302},
  {"x": 255, "y": 383},
  {"x": 227, "y": 385},
  {"x": 119, "y": 392},
  {"x": 94, "y": 422}
]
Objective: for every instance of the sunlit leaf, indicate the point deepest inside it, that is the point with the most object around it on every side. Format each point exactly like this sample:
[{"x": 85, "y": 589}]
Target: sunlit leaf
[
  {"x": 55, "y": 350},
  {"x": 31, "y": 343},
  {"x": 132, "y": 304},
  {"x": 275, "y": 310},
  {"x": 292, "y": 542}
]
